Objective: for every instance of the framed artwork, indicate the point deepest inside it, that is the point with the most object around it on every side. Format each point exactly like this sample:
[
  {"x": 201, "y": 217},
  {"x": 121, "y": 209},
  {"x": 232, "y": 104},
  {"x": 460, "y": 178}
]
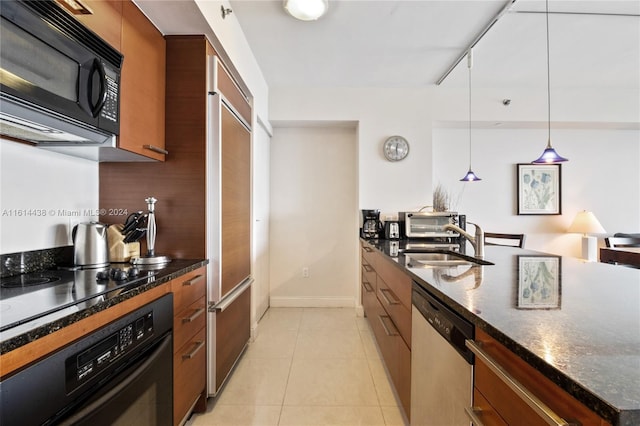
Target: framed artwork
[
  {"x": 539, "y": 282},
  {"x": 539, "y": 189}
]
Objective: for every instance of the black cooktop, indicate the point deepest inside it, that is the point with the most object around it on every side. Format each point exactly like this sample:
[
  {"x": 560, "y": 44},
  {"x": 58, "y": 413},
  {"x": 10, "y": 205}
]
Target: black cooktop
[{"x": 30, "y": 296}]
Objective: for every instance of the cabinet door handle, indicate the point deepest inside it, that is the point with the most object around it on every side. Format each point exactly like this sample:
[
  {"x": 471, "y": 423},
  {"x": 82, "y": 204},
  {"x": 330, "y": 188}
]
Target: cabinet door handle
[
  {"x": 367, "y": 249},
  {"x": 195, "y": 315},
  {"x": 156, "y": 149},
  {"x": 193, "y": 280},
  {"x": 474, "y": 415},
  {"x": 389, "y": 301},
  {"x": 547, "y": 414},
  {"x": 390, "y": 330},
  {"x": 367, "y": 287},
  {"x": 368, "y": 268},
  {"x": 199, "y": 345}
]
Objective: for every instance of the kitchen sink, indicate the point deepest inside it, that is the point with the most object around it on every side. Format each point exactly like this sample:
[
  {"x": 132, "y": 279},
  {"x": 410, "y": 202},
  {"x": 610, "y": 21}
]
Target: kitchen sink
[{"x": 435, "y": 259}]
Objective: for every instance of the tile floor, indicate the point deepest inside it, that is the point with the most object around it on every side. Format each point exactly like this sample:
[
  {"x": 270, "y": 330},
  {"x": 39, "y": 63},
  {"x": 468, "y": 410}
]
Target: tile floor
[{"x": 307, "y": 366}]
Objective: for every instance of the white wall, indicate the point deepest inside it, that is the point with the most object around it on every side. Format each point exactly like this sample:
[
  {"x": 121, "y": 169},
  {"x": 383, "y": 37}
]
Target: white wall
[
  {"x": 379, "y": 113},
  {"x": 602, "y": 176},
  {"x": 314, "y": 216},
  {"x": 607, "y": 182},
  {"x": 42, "y": 195}
]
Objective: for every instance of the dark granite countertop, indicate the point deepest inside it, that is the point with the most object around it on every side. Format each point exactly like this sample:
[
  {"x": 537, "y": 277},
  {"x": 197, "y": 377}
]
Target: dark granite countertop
[
  {"x": 22, "y": 334},
  {"x": 580, "y": 328}
]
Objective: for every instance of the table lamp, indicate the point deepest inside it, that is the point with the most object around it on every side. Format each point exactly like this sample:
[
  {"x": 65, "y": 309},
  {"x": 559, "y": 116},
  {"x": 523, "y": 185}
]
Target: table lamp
[{"x": 586, "y": 223}]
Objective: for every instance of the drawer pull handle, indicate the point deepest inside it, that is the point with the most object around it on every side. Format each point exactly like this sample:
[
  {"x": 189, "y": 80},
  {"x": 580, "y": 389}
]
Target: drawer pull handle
[
  {"x": 156, "y": 149},
  {"x": 367, "y": 287},
  {"x": 368, "y": 249},
  {"x": 547, "y": 414},
  {"x": 368, "y": 268},
  {"x": 193, "y": 280},
  {"x": 199, "y": 345},
  {"x": 390, "y": 330},
  {"x": 389, "y": 301},
  {"x": 195, "y": 315},
  {"x": 474, "y": 415}
]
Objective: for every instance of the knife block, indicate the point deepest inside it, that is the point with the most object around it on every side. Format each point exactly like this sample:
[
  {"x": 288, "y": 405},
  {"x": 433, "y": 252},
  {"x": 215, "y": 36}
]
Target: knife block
[{"x": 119, "y": 251}]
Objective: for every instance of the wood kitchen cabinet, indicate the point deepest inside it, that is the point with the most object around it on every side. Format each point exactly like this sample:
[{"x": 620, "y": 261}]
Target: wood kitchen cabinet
[
  {"x": 386, "y": 298},
  {"x": 189, "y": 344},
  {"x": 104, "y": 18},
  {"x": 495, "y": 403},
  {"x": 142, "y": 82}
]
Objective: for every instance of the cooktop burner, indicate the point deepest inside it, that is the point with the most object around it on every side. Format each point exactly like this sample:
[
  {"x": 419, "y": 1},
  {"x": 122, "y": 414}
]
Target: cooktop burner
[
  {"x": 34, "y": 295},
  {"x": 28, "y": 280}
]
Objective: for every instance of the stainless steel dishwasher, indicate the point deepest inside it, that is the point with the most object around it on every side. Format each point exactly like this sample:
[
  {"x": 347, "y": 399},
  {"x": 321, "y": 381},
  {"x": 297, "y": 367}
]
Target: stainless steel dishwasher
[{"x": 441, "y": 364}]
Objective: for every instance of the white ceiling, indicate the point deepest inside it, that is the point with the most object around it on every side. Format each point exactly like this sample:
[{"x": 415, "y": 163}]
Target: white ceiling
[{"x": 411, "y": 43}]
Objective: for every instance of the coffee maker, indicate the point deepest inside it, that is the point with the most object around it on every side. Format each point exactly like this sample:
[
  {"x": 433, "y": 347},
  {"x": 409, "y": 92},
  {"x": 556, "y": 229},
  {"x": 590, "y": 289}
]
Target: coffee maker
[{"x": 371, "y": 225}]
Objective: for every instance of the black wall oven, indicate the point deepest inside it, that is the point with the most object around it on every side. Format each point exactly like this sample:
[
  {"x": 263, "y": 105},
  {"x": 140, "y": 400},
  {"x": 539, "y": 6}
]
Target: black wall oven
[
  {"x": 120, "y": 374},
  {"x": 60, "y": 82}
]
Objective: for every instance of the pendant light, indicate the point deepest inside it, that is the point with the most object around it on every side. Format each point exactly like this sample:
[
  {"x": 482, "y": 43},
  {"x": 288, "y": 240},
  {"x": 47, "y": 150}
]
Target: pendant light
[
  {"x": 549, "y": 155},
  {"x": 470, "y": 176}
]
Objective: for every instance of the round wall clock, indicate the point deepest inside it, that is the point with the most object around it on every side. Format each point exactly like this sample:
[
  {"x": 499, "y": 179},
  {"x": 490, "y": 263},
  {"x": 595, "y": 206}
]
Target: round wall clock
[{"x": 396, "y": 148}]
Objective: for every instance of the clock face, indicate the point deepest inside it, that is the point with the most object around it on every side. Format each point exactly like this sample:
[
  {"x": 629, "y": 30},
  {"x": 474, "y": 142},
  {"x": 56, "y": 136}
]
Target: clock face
[{"x": 396, "y": 148}]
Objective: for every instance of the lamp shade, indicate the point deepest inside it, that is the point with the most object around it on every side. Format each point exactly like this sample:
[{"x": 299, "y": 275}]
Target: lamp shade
[
  {"x": 306, "y": 10},
  {"x": 586, "y": 223}
]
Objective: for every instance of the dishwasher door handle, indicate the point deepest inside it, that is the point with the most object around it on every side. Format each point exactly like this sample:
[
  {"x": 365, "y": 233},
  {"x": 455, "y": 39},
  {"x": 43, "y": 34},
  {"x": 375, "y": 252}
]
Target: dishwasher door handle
[{"x": 546, "y": 413}]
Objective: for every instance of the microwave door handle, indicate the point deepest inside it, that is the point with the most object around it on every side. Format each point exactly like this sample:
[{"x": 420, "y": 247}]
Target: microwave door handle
[{"x": 102, "y": 96}]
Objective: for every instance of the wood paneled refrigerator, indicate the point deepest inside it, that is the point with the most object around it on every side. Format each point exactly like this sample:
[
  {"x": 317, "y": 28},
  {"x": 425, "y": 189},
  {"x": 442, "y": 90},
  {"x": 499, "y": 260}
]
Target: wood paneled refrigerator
[{"x": 228, "y": 231}]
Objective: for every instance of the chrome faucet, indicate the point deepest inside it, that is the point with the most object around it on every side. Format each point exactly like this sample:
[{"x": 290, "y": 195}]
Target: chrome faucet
[{"x": 477, "y": 242}]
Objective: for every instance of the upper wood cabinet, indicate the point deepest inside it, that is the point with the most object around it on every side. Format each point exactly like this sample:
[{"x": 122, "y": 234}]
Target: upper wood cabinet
[
  {"x": 143, "y": 85},
  {"x": 104, "y": 19},
  {"x": 142, "y": 82}
]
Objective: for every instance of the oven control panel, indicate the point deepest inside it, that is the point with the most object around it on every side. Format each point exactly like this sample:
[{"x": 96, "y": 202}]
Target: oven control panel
[{"x": 96, "y": 359}]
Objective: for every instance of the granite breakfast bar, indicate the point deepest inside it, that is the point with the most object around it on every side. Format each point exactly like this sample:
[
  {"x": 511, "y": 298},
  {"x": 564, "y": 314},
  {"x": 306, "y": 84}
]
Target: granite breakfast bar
[{"x": 586, "y": 340}]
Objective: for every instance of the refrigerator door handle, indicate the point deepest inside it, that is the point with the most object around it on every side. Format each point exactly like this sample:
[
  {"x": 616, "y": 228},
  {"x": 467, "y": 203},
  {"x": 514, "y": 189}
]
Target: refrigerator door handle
[{"x": 227, "y": 301}]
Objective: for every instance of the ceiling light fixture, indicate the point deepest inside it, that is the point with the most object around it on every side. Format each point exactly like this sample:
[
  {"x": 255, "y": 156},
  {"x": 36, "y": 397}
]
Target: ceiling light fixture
[
  {"x": 306, "y": 10},
  {"x": 549, "y": 155},
  {"x": 470, "y": 176}
]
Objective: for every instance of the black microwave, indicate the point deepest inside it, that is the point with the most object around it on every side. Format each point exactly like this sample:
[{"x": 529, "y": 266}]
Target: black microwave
[{"x": 60, "y": 82}]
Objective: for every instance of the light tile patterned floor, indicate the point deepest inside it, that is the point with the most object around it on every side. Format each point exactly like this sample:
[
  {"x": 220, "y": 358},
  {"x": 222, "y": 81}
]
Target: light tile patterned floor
[{"x": 307, "y": 366}]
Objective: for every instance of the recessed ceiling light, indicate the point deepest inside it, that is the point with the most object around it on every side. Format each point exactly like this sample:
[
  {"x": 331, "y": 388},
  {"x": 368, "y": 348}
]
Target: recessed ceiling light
[{"x": 306, "y": 10}]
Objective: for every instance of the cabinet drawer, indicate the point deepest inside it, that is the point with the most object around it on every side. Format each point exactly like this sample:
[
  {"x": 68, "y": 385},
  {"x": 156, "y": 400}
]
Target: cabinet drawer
[
  {"x": 189, "y": 375},
  {"x": 368, "y": 255},
  {"x": 369, "y": 275},
  {"x": 511, "y": 406},
  {"x": 398, "y": 312},
  {"x": 188, "y": 322},
  {"x": 369, "y": 300},
  {"x": 484, "y": 411},
  {"x": 396, "y": 280},
  {"x": 396, "y": 354},
  {"x": 188, "y": 288}
]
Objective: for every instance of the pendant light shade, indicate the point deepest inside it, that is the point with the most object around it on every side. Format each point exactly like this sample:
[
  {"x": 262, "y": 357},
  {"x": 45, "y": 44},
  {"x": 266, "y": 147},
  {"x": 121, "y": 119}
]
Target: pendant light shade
[
  {"x": 549, "y": 155},
  {"x": 470, "y": 176},
  {"x": 306, "y": 10}
]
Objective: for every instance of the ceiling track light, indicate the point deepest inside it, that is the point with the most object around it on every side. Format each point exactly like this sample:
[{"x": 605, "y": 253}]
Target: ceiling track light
[
  {"x": 549, "y": 155},
  {"x": 306, "y": 10},
  {"x": 470, "y": 176}
]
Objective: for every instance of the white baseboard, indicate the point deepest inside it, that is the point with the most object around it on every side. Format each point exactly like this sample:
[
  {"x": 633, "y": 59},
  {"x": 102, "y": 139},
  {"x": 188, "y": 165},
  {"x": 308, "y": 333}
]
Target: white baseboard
[{"x": 311, "y": 302}]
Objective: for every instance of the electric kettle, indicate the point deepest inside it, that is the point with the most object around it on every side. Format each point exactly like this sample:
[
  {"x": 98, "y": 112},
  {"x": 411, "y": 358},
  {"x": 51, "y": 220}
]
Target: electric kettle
[{"x": 90, "y": 248}]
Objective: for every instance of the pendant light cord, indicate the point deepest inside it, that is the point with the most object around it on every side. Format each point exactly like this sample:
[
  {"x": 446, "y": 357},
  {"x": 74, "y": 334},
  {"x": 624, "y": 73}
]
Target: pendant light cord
[
  {"x": 548, "y": 80},
  {"x": 469, "y": 65}
]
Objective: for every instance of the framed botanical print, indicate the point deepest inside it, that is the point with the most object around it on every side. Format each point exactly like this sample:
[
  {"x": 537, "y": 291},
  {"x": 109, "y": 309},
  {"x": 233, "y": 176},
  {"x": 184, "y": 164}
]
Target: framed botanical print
[
  {"x": 539, "y": 282},
  {"x": 539, "y": 189}
]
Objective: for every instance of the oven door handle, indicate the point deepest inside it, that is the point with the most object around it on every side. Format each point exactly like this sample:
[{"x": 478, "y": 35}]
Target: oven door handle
[{"x": 139, "y": 371}]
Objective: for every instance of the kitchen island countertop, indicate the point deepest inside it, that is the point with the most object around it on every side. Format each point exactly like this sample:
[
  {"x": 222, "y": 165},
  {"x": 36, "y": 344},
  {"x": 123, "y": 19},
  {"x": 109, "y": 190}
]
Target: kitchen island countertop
[{"x": 584, "y": 335}]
